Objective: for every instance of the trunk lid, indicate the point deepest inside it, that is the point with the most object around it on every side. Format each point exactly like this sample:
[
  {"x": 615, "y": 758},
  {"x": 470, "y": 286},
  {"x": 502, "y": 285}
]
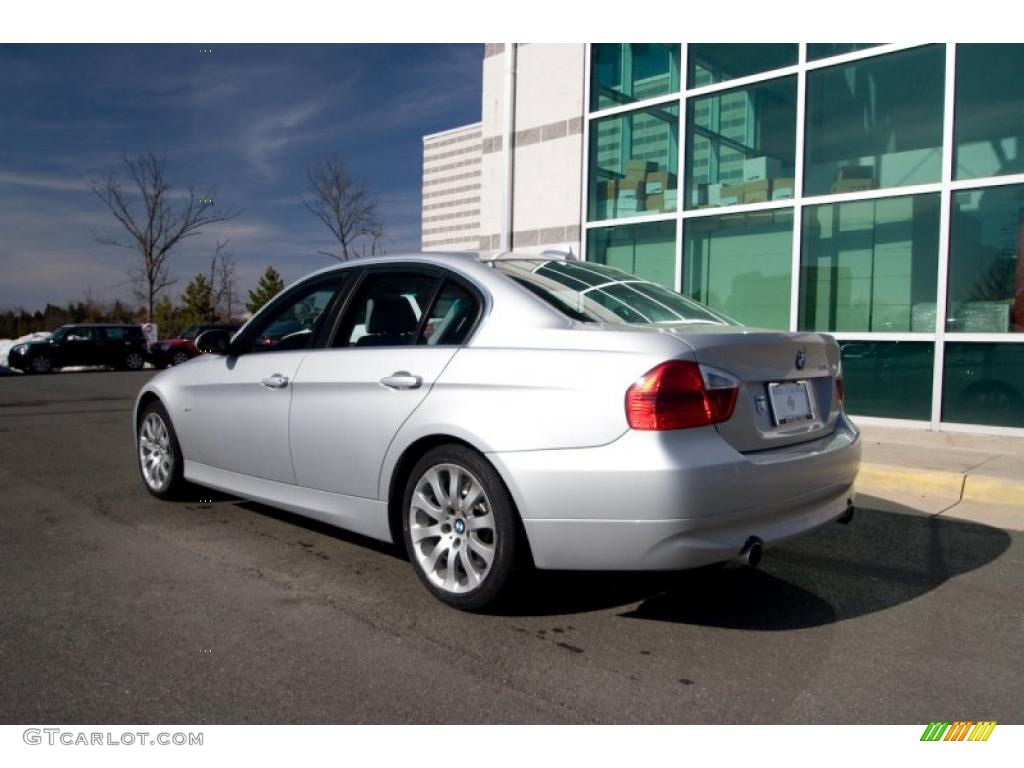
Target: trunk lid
[{"x": 775, "y": 369}]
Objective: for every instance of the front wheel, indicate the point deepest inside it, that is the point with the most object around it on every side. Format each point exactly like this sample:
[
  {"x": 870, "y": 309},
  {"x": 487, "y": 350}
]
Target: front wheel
[
  {"x": 40, "y": 364},
  {"x": 179, "y": 358},
  {"x": 160, "y": 460},
  {"x": 460, "y": 527}
]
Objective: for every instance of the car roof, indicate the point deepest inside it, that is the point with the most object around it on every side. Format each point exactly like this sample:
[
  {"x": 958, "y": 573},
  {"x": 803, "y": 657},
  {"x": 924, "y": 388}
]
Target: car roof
[{"x": 99, "y": 325}]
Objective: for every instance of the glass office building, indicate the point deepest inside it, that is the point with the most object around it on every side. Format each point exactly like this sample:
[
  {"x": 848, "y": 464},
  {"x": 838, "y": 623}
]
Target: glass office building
[{"x": 874, "y": 192}]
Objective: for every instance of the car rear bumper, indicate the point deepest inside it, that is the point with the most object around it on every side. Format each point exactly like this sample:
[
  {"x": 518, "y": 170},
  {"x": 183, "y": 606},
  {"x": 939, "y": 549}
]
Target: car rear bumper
[{"x": 674, "y": 500}]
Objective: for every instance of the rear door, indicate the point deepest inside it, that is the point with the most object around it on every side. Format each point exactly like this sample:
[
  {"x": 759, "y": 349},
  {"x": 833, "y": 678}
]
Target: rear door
[
  {"x": 400, "y": 329},
  {"x": 116, "y": 345}
]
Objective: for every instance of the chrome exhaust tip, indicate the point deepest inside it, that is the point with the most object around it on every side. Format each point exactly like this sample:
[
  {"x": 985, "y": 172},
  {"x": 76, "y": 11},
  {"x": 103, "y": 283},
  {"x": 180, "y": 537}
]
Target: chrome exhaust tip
[
  {"x": 751, "y": 552},
  {"x": 847, "y": 516}
]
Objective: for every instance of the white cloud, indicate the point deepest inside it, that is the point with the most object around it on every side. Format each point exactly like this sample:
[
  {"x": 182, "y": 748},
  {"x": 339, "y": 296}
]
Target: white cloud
[
  {"x": 269, "y": 134},
  {"x": 44, "y": 181}
]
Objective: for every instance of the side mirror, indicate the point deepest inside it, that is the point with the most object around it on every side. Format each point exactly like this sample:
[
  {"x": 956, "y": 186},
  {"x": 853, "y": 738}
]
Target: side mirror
[{"x": 214, "y": 342}]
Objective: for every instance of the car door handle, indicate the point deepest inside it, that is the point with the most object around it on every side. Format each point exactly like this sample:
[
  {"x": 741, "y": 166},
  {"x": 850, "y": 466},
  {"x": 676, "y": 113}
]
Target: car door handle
[
  {"x": 401, "y": 380},
  {"x": 277, "y": 381}
]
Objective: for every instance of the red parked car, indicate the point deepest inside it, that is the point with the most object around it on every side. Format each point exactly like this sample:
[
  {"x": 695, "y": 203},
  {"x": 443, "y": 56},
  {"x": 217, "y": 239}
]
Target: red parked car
[{"x": 182, "y": 347}]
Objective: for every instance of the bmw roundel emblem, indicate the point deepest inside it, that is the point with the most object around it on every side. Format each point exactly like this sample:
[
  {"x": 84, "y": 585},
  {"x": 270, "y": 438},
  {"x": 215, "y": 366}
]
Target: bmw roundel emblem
[
  {"x": 460, "y": 526},
  {"x": 801, "y": 360}
]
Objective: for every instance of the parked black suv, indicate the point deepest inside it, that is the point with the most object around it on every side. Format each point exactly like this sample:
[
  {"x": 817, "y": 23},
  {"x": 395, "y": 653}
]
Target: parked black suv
[{"x": 116, "y": 346}]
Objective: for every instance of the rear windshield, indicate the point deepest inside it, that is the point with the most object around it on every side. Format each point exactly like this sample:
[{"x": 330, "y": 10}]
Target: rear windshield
[{"x": 595, "y": 293}]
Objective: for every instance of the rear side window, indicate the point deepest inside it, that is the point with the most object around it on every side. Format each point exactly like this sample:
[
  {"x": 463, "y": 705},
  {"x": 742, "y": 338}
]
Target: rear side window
[
  {"x": 387, "y": 310},
  {"x": 451, "y": 317},
  {"x": 120, "y": 332}
]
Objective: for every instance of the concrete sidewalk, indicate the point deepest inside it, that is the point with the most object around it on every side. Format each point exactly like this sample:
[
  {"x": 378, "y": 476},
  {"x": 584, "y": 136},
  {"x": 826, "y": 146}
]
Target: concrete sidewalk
[{"x": 972, "y": 477}]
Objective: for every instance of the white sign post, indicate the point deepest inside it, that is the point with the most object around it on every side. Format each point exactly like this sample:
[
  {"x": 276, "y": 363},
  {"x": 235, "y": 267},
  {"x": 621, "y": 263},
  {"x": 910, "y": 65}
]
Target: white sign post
[{"x": 150, "y": 329}]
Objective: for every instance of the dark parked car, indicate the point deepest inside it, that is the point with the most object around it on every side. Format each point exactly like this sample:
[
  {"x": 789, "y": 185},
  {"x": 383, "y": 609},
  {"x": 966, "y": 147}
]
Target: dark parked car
[
  {"x": 116, "y": 346},
  {"x": 182, "y": 347}
]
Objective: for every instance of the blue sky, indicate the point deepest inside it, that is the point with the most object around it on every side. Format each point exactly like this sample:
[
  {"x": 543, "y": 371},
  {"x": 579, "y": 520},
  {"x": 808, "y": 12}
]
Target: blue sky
[{"x": 248, "y": 119}]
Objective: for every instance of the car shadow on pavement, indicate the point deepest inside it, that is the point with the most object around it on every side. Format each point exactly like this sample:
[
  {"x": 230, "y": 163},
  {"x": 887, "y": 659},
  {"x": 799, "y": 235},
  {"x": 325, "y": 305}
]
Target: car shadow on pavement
[{"x": 837, "y": 572}]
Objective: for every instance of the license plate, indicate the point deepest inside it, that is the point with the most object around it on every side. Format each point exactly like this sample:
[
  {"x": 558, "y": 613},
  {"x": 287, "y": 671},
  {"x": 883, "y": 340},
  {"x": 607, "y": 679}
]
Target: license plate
[{"x": 790, "y": 402}]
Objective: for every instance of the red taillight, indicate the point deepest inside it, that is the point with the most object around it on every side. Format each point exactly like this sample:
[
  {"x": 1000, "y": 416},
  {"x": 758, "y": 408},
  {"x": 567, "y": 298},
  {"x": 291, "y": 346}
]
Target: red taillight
[
  {"x": 673, "y": 396},
  {"x": 840, "y": 392}
]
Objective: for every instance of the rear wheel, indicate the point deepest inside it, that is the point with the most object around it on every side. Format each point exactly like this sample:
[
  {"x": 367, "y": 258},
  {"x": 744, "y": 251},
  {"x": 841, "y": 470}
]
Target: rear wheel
[
  {"x": 40, "y": 364},
  {"x": 134, "y": 361},
  {"x": 160, "y": 460},
  {"x": 460, "y": 527}
]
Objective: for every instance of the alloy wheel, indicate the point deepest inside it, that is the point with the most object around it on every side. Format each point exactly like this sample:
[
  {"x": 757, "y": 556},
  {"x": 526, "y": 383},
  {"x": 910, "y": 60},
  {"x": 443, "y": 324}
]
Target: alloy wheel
[
  {"x": 179, "y": 358},
  {"x": 452, "y": 528},
  {"x": 134, "y": 361},
  {"x": 156, "y": 455},
  {"x": 41, "y": 364}
]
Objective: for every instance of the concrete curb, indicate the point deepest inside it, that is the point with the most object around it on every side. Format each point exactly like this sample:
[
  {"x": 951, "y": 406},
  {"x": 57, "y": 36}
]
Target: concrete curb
[
  {"x": 922, "y": 481},
  {"x": 959, "y": 486},
  {"x": 994, "y": 490}
]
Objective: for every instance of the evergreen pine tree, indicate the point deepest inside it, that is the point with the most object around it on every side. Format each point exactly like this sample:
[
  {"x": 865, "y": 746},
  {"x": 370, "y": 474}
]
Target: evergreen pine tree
[
  {"x": 197, "y": 300},
  {"x": 269, "y": 286}
]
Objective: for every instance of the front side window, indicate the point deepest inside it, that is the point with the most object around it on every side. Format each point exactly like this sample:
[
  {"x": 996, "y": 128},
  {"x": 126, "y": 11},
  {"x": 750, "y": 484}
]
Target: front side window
[
  {"x": 294, "y": 322},
  {"x": 593, "y": 293},
  {"x": 82, "y": 334},
  {"x": 386, "y": 310}
]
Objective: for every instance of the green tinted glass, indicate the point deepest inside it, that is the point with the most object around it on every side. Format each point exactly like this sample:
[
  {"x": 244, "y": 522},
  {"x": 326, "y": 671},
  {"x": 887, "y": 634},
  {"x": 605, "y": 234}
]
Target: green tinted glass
[
  {"x": 740, "y": 264},
  {"x": 891, "y": 379},
  {"x": 741, "y": 145},
  {"x": 989, "y": 110},
  {"x": 626, "y": 72},
  {"x": 986, "y": 273},
  {"x": 875, "y": 123},
  {"x": 646, "y": 250},
  {"x": 870, "y": 265},
  {"x": 984, "y": 384},
  {"x": 817, "y": 51},
  {"x": 716, "y": 62},
  {"x": 633, "y": 163}
]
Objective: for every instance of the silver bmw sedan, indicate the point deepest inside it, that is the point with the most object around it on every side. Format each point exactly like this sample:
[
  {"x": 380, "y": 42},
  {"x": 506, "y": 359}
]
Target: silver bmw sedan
[{"x": 495, "y": 413}]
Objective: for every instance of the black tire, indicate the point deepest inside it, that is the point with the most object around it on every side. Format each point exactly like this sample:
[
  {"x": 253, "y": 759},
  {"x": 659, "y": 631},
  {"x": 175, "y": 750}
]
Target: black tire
[
  {"x": 40, "y": 364},
  {"x": 175, "y": 484},
  {"x": 134, "y": 361},
  {"x": 507, "y": 541}
]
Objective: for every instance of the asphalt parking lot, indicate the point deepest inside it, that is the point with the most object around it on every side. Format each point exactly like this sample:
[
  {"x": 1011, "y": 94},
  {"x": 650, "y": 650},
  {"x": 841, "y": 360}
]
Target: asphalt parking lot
[{"x": 117, "y": 607}]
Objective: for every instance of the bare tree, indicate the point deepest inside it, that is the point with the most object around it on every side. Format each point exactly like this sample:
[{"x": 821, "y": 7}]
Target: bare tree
[
  {"x": 157, "y": 221},
  {"x": 346, "y": 206},
  {"x": 224, "y": 281}
]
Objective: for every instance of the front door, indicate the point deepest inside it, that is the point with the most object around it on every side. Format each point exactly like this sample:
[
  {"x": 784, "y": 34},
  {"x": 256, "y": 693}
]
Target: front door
[
  {"x": 81, "y": 346},
  {"x": 242, "y": 401}
]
